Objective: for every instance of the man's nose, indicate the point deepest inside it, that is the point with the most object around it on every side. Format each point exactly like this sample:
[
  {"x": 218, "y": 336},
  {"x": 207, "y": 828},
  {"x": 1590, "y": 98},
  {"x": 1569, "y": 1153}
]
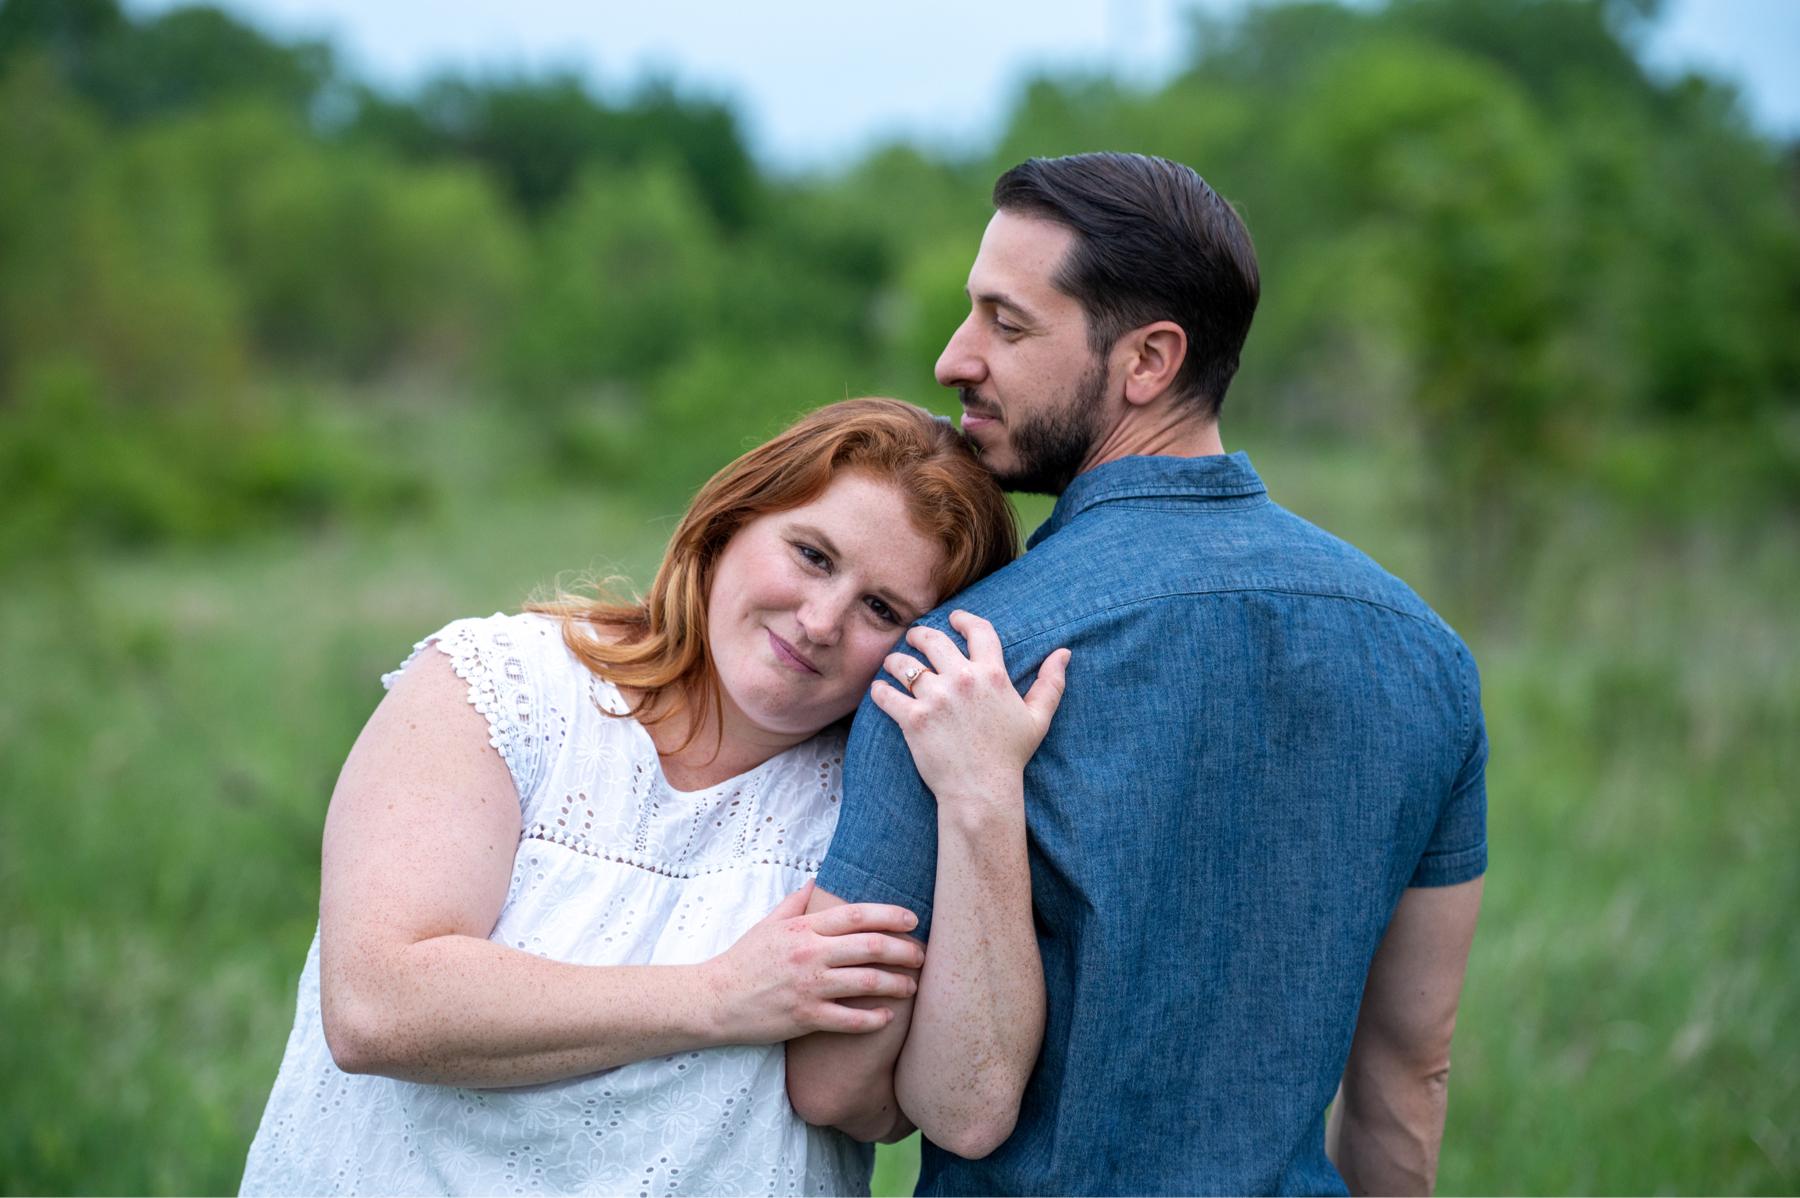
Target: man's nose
[{"x": 959, "y": 365}]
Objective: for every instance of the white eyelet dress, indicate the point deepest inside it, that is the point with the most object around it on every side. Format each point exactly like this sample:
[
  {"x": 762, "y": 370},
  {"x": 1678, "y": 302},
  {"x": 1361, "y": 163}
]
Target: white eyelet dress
[{"x": 614, "y": 867}]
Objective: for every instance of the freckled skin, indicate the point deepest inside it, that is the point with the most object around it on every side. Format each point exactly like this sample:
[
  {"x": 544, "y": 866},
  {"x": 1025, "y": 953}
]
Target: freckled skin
[{"x": 955, "y": 1061}]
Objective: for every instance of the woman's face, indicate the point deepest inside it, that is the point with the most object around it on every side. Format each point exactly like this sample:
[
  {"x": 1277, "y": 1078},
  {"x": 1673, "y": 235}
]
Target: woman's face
[{"x": 805, "y": 603}]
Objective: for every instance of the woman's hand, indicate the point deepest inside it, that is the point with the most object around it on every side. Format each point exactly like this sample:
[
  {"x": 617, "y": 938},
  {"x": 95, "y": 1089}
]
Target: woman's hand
[
  {"x": 785, "y": 976},
  {"x": 969, "y": 731}
]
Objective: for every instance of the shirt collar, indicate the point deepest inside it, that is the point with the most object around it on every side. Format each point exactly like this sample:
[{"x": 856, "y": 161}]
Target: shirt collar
[{"x": 1216, "y": 477}]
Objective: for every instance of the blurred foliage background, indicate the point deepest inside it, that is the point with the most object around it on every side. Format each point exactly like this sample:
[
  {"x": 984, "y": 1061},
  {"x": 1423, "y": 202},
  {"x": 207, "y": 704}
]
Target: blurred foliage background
[{"x": 294, "y": 370}]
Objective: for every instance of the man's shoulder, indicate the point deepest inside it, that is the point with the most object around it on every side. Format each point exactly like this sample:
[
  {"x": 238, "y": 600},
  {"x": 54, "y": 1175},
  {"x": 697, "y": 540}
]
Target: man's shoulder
[
  {"x": 1332, "y": 565},
  {"x": 1124, "y": 556},
  {"x": 1042, "y": 590}
]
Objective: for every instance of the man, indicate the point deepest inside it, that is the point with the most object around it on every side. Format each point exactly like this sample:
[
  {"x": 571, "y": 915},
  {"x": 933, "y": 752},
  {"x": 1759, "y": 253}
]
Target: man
[{"x": 1257, "y": 823}]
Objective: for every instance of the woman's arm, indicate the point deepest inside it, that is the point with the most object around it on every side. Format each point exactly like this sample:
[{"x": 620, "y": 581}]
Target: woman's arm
[
  {"x": 978, "y": 1020},
  {"x": 418, "y": 854}
]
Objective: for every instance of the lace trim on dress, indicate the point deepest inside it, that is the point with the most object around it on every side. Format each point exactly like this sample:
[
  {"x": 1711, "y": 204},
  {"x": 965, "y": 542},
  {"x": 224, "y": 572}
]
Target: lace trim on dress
[
  {"x": 487, "y": 658},
  {"x": 580, "y": 844}
]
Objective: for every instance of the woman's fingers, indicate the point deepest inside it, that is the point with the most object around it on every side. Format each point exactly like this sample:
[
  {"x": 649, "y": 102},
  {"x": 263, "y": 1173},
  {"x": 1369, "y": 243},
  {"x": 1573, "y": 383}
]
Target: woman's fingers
[
  {"x": 863, "y": 917},
  {"x": 904, "y": 666},
  {"x": 888, "y": 699},
  {"x": 984, "y": 642},
  {"x": 866, "y": 982},
  {"x": 1046, "y": 693},
  {"x": 937, "y": 647},
  {"x": 841, "y": 1017},
  {"x": 875, "y": 948},
  {"x": 942, "y": 653}
]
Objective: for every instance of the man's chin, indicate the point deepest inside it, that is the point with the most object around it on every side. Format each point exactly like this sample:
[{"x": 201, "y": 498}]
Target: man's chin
[
  {"x": 1029, "y": 476},
  {"x": 994, "y": 457}
]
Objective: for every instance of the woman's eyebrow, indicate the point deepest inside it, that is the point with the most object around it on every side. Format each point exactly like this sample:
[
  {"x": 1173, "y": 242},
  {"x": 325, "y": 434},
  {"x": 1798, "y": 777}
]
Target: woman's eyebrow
[{"x": 814, "y": 533}]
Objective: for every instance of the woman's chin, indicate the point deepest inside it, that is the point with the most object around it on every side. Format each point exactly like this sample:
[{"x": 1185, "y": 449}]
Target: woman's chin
[
  {"x": 775, "y": 706},
  {"x": 790, "y": 721},
  {"x": 813, "y": 723}
]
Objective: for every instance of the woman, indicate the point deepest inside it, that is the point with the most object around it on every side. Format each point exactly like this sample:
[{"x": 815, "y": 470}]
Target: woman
[{"x": 546, "y": 958}]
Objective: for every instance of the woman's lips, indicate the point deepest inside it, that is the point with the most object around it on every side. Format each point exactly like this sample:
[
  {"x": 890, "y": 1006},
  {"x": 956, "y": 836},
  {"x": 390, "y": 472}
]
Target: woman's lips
[{"x": 790, "y": 656}]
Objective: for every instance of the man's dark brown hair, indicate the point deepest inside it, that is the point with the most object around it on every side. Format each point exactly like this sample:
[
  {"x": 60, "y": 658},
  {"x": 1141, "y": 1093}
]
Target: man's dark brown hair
[{"x": 1152, "y": 242}]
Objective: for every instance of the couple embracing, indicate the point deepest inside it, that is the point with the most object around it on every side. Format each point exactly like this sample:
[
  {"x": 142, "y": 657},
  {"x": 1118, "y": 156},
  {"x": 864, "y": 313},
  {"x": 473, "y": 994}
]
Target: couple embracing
[{"x": 1141, "y": 852}]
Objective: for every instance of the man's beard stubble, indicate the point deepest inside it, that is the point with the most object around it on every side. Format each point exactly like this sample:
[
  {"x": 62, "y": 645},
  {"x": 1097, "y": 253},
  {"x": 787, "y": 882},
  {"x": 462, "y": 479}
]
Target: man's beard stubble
[{"x": 1050, "y": 445}]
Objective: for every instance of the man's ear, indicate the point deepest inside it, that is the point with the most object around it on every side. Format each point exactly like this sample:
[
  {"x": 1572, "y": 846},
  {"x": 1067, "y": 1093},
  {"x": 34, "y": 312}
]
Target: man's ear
[{"x": 1154, "y": 354}]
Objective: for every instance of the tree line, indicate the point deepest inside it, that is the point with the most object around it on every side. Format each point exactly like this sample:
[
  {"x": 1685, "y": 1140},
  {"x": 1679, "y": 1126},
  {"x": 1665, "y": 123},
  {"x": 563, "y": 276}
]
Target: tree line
[{"x": 1485, "y": 228}]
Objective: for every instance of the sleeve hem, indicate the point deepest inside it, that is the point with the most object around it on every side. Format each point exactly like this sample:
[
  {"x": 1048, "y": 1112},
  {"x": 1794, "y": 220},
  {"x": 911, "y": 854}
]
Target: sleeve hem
[
  {"x": 856, "y": 885},
  {"x": 1450, "y": 869},
  {"x": 501, "y": 688}
]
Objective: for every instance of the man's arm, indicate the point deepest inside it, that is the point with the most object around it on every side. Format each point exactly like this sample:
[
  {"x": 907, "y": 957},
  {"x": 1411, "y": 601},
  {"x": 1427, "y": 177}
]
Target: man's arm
[
  {"x": 960, "y": 1063},
  {"x": 978, "y": 1019},
  {"x": 1388, "y": 1120},
  {"x": 957, "y": 1057}
]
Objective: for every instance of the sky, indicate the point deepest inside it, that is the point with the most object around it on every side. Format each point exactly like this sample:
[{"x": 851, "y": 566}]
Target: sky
[{"x": 817, "y": 81}]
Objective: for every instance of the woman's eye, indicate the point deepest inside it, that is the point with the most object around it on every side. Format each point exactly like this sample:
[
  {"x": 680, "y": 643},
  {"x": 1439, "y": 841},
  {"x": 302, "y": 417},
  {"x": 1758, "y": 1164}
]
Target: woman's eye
[
  {"x": 882, "y": 611},
  {"x": 812, "y": 556}
]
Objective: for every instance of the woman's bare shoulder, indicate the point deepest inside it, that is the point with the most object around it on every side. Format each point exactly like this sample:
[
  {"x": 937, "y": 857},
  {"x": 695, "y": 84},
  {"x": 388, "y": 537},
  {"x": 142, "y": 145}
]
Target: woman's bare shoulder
[{"x": 428, "y": 714}]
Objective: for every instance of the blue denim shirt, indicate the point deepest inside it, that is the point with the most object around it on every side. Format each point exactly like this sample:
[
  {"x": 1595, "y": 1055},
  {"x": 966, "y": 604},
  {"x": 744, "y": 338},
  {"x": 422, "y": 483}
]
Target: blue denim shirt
[{"x": 1264, "y": 740}]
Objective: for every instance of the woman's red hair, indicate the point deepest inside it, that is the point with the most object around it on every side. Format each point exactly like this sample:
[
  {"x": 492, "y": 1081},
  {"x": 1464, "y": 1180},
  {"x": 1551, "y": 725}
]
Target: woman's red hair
[{"x": 658, "y": 646}]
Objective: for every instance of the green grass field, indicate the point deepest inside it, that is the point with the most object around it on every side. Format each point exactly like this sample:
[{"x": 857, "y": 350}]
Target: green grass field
[{"x": 172, "y": 722}]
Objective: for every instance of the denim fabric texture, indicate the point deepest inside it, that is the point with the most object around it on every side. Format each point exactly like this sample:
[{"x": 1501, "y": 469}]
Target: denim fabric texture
[{"x": 1265, "y": 739}]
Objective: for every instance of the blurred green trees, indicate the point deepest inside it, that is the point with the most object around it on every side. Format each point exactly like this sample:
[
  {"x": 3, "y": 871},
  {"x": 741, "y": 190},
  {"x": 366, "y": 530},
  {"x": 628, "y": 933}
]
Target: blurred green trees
[
  {"x": 1528, "y": 321},
  {"x": 1485, "y": 229}
]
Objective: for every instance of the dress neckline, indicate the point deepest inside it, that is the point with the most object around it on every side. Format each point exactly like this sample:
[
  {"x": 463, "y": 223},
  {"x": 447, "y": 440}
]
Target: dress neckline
[{"x": 605, "y": 695}]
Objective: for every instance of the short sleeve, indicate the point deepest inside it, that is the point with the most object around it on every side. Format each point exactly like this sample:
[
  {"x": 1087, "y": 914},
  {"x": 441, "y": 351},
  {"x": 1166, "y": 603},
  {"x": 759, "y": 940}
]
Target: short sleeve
[
  {"x": 1458, "y": 848},
  {"x": 885, "y": 846},
  {"x": 496, "y": 657}
]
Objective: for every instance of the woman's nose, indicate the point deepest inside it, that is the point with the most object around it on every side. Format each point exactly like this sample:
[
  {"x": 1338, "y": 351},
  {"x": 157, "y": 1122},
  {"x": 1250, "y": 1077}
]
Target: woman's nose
[{"x": 822, "y": 618}]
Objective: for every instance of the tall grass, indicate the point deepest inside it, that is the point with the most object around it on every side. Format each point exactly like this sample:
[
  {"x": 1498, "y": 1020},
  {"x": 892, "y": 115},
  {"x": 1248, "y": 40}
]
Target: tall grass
[{"x": 171, "y": 725}]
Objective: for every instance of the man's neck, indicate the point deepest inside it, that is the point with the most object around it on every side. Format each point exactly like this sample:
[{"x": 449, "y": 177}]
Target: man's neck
[{"x": 1162, "y": 433}]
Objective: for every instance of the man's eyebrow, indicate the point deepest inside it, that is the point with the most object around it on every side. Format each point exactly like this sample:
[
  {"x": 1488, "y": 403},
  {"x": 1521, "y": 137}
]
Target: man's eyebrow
[
  {"x": 892, "y": 597},
  {"x": 1000, "y": 299}
]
